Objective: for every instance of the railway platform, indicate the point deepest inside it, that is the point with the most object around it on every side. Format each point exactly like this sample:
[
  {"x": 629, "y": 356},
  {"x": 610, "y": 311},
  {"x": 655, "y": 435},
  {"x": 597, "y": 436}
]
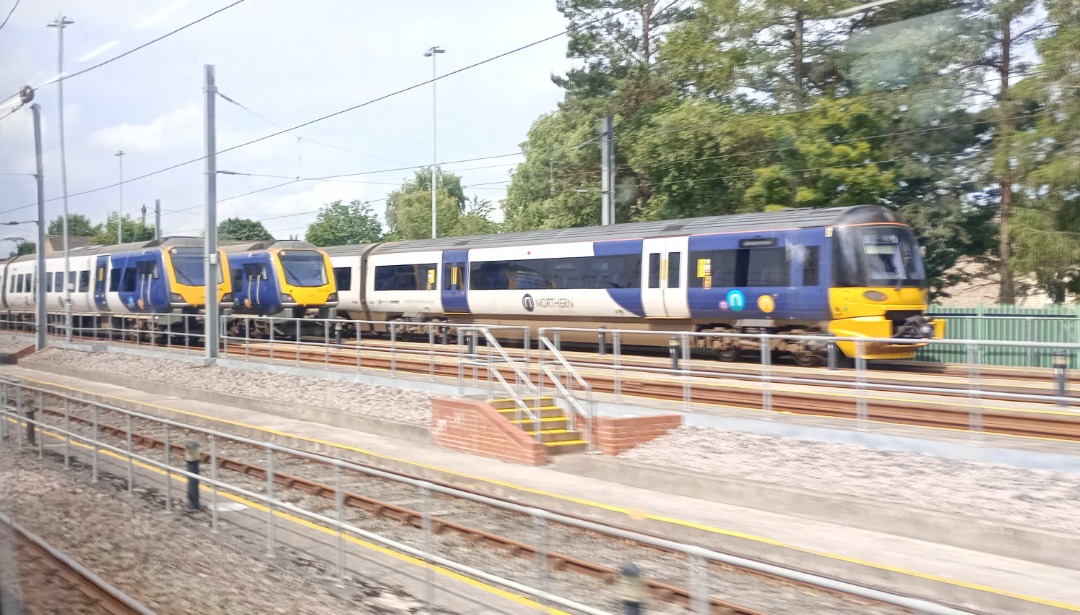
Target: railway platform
[{"x": 969, "y": 577}]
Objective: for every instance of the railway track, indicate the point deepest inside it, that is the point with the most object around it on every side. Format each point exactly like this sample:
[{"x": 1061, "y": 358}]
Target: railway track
[
  {"x": 32, "y": 550},
  {"x": 948, "y": 412},
  {"x": 481, "y": 528}
]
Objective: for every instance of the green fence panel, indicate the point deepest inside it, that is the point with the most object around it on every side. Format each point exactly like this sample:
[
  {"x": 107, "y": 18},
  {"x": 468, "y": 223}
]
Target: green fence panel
[{"x": 989, "y": 324}]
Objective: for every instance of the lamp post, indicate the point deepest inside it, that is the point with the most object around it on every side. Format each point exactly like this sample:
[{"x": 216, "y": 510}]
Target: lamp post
[
  {"x": 431, "y": 53},
  {"x": 60, "y": 23},
  {"x": 120, "y": 216}
]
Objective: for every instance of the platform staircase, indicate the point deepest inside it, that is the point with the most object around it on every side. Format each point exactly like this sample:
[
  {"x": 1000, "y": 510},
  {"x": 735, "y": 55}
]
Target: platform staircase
[{"x": 553, "y": 429}]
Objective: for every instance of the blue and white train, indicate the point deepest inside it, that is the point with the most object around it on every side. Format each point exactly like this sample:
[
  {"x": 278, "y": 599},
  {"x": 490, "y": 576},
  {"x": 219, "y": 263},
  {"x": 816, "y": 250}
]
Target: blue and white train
[
  {"x": 847, "y": 272},
  {"x": 143, "y": 288}
]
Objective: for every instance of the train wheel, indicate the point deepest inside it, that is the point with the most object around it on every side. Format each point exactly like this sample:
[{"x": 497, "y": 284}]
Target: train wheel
[
  {"x": 805, "y": 359},
  {"x": 729, "y": 354}
]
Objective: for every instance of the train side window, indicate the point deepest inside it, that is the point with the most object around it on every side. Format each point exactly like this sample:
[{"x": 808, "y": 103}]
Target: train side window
[
  {"x": 19, "y": 286},
  {"x": 767, "y": 267},
  {"x": 114, "y": 280},
  {"x": 343, "y": 278},
  {"x": 406, "y": 277},
  {"x": 673, "y": 264},
  {"x": 48, "y": 282},
  {"x": 724, "y": 268},
  {"x": 84, "y": 281},
  {"x": 148, "y": 268},
  {"x": 811, "y": 266},
  {"x": 654, "y": 271},
  {"x": 237, "y": 279}
]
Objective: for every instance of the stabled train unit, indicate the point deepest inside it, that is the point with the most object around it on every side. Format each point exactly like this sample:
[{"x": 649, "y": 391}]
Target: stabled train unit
[
  {"x": 144, "y": 288},
  {"x": 845, "y": 272}
]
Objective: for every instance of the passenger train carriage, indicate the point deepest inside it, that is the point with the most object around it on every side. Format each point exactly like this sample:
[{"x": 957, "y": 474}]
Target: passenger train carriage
[
  {"x": 270, "y": 278},
  {"x": 146, "y": 286},
  {"x": 846, "y": 272}
]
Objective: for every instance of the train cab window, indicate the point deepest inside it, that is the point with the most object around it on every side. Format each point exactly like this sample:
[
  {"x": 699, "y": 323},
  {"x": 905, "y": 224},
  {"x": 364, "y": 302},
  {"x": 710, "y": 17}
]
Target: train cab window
[
  {"x": 654, "y": 270},
  {"x": 114, "y": 280},
  {"x": 130, "y": 280},
  {"x": 343, "y": 278},
  {"x": 254, "y": 271},
  {"x": 84, "y": 281},
  {"x": 673, "y": 264},
  {"x": 148, "y": 269},
  {"x": 811, "y": 266}
]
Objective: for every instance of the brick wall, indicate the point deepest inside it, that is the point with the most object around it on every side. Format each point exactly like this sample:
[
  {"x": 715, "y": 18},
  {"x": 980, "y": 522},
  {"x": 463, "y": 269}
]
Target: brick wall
[
  {"x": 615, "y": 434},
  {"x": 476, "y": 427}
]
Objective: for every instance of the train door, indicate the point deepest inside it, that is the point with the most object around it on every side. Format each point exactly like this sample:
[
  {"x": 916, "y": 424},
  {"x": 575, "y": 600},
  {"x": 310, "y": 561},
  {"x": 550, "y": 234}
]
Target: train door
[
  {"x": 455, "y": 282},
  {"x": 663, "y": 277},
  {"x": 101, "y": 275}
]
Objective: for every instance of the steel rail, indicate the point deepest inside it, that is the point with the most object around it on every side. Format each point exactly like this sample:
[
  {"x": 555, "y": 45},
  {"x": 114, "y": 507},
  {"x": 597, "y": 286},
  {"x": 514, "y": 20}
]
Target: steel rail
[{"x": 91, "y": 585}]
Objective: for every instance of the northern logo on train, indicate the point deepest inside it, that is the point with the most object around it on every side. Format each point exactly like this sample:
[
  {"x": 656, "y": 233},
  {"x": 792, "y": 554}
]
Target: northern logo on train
[
  {"x": 766, "y": 303},
  {"x": 528, "y": 303},
  {"x": 736, "y": 300}
]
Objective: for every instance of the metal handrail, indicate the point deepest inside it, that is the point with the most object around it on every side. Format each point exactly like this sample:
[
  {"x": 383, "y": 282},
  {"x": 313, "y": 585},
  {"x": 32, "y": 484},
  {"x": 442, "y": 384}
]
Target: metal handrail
[
  {"x": 520, "y": 375},
  {"x": 564, "y": 392}
]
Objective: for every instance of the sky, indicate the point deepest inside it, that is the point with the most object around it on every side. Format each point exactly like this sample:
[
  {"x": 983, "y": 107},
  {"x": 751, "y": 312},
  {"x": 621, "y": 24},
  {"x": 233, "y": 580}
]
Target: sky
[{"x": 288, "y": 62}]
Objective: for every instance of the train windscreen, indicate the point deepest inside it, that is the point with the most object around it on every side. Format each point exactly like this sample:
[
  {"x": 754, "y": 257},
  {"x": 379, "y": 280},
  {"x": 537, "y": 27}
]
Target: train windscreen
[
  {"x": 303, "y": 267},
  {"x": 878, "y": 256},
  {"x": 188, "y": 268}
]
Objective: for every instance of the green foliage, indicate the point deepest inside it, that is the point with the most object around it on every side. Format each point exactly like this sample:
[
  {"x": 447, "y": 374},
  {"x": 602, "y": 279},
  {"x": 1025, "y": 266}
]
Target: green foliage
[
  {"x": 408, "y": 209},
  {"x": 241, "y": 229},
  {"x": 133, "y": 231},
  {"x": 341, "y": 224},
  {"x": 24, "y": 247},
  {"x": 78, "y": 226}
]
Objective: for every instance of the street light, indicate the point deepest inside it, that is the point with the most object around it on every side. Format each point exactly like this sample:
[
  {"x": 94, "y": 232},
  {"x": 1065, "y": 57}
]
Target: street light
[
  {"x": 120, "y": 216},
  {"x": 432, "y": 53},
  {"x": 60, "y": 23}
]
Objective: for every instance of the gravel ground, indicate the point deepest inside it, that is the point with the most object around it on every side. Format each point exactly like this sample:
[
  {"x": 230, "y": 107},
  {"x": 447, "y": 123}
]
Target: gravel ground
[
  {"x": 1035, "y": 498},
  {"x": 169, "y": 563},
  {"x": 346, "y": 397},
  {"x": 9, "y": 345}
]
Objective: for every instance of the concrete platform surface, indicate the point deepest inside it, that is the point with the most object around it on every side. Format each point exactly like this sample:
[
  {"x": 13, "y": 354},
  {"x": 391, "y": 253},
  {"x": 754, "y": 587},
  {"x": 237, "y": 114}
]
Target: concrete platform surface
[{"x": 964, "y": 577}]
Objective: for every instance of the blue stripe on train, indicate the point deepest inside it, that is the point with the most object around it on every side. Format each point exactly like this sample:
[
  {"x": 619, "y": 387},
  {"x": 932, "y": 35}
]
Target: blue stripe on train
[{"x": 628, "y": 299}]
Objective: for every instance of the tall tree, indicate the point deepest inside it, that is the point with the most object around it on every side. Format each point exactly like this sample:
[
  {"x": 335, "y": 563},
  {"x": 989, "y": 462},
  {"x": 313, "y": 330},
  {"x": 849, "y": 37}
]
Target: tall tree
[
  {"x": 24, "y": 248},
  {"x": 408, "y": 209},
  {"x": 132, "y": 231},
  {"x": 242, "y": 229},
  {"x": 341, "y": 224},
  {"x": 78, "y": 226}
]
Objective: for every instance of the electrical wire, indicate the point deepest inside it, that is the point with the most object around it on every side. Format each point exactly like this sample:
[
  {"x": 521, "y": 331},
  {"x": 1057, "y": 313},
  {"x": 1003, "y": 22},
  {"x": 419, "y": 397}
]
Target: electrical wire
[
  {"x": 319, "y": 119},
  {"x": 143, "y": 46},
  {"x": 15, "y": 6}
]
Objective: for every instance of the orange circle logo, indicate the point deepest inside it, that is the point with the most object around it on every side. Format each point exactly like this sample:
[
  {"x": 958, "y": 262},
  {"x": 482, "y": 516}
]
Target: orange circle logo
[{"x": 766, "y": 304}]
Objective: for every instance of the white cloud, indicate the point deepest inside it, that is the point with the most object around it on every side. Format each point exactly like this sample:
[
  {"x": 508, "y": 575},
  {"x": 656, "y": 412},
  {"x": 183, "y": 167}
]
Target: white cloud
[
  {"x": 93, "y": 53},
  {"x": 159, "y": 16},
  {"x": 164, "y": 132}
]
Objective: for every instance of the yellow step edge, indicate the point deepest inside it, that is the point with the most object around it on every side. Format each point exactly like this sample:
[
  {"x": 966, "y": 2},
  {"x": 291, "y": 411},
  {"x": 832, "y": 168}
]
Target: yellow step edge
[
  {"x": 495, "y": 401},
  {"x": 565, "y": 443},
  {"x": 548, "y": 419},
  {"x": 530, "y": 408}
]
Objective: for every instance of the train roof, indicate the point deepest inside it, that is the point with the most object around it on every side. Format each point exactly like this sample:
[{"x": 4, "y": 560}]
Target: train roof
[
  {"x": 783, "y": 219},
  {"x": 250, "y": 246},
  {"x": 167, "y": 242}
]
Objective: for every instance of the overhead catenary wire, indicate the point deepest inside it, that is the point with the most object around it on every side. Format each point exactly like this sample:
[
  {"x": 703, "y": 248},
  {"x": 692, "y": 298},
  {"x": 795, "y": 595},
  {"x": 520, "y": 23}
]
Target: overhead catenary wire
[
  {"x": 13, "y": 7},
  {"x": 324, "y": 117}
]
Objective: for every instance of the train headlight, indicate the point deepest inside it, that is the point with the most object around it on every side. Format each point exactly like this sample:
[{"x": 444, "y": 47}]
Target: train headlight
[
  {"x": 926, "y": 331},
  {"x": 175, "y": 298},
  {"x": 875, "y": 295},
  {"x": 287, "y": 298},
  {"x": 332, "y": 297}
]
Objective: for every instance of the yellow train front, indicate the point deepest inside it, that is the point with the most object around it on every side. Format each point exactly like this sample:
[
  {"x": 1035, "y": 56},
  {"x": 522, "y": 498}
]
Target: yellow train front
[
  {"x": 879, "y": 289},
  {"x": 280, "y": 278}
]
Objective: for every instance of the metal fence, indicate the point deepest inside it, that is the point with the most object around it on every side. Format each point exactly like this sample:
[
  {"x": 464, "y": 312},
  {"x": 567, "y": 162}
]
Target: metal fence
[
  {"x": 23, "y": 411},
  {"x": 1058, "y": 324}
]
